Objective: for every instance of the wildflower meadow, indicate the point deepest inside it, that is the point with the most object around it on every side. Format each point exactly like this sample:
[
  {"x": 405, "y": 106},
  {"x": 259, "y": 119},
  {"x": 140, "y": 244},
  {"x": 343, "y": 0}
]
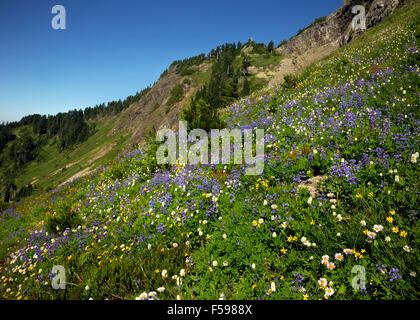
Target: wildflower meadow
[{"x": 136, "y": 229}]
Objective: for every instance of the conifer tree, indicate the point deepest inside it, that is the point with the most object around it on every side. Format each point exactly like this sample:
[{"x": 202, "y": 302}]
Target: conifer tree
[
  {"x": 245, "y": 88},
  {"x": 201, "y": 116},
  {"x": 270, "y": 46}
]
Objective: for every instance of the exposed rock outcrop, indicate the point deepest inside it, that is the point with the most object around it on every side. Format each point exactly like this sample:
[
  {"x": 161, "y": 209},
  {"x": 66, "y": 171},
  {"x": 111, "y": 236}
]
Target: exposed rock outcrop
[
  {"x": 310, "y": 45},
  {"x": 337, "y": 29},
  {"x": 151, "y": 110}
]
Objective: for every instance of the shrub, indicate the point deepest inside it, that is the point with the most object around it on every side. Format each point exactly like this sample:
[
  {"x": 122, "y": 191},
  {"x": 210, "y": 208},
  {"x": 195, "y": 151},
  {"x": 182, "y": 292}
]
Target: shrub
[
  {"x": 186, "y": 72},
  {"x": 201, "y": 115},
  {"x": 176, "y": 95},
  {"x": 64, "y": 217},
  {"x": 290, "y": 81}
]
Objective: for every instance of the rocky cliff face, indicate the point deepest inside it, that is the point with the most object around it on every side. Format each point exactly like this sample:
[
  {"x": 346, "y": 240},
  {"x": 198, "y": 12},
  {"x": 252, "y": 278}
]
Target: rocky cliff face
[
  {"x": 336, "y": 29},
  {"x": 151, "y": 110}
]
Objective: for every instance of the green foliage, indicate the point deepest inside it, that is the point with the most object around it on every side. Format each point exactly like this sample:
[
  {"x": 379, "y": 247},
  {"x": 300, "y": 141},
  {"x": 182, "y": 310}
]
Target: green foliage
[
  {"x": 245, "y": 64},
  {"x": 65, "y": 216},
  {"x": 24, "y": 192},
  {"x": 245, "y": 89},
  {"x": 155, "y": 107},
  {"x": 73, "y": 130},
  {"x": 9, "y": 188},
  {"x": 23, "y": 150},
  {"x": 186, "y": 72},
  {"x": 184, "y": 67},
  {"x": 3, "y": 205},
  {"x": 270, "y": 46},
  {"x": 164, "y": 74},
  {"x": 201, "y": 115},
  {"x": 177, "y": 93},
  {"x": 6, "y": 135},
  {"x": 274, "y": 104},
  {"x": 17, "y": 151},
  {"x": 213, "y": 232},
  {"x": 290, "y": 81},
  {"x": 259, "y": 48},
  {"x": 342, "y": 64},
  {"x": 116, "y": 172}
]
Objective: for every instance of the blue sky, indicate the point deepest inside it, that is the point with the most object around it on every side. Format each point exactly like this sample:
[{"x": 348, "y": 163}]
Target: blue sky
[{"x": 112, "y": 49}]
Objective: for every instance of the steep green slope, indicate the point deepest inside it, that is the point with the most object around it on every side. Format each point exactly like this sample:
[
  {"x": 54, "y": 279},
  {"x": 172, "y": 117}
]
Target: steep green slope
[
  {"x": 49, "y": 164},
  {"x": 137, "y": 230}
]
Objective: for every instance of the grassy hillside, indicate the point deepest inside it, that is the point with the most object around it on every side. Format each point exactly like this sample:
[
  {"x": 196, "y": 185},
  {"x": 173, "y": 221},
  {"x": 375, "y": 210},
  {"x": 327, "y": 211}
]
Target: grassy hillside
[
  {"x": 136, "y": 231},
  {"x": 53, "y": 166}
]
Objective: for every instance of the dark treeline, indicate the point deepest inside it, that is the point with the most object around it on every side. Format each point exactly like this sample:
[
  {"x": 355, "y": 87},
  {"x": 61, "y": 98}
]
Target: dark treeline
[
  {"x": 6, "y": 135},
  {"x": 70, "y": 127},
  {"x": 34, "y": 131},
  {"x": 114, "y": 107}
]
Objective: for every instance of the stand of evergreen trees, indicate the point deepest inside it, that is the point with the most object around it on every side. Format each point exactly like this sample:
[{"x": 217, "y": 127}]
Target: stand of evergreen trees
[
  {"x": 70, "y": 127},
  {"x": 6, "y": 135},
  {"x": 224, "y": 86},
  {"x": 228, "y": 82},
  {"x": 36, "y": 130}
]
